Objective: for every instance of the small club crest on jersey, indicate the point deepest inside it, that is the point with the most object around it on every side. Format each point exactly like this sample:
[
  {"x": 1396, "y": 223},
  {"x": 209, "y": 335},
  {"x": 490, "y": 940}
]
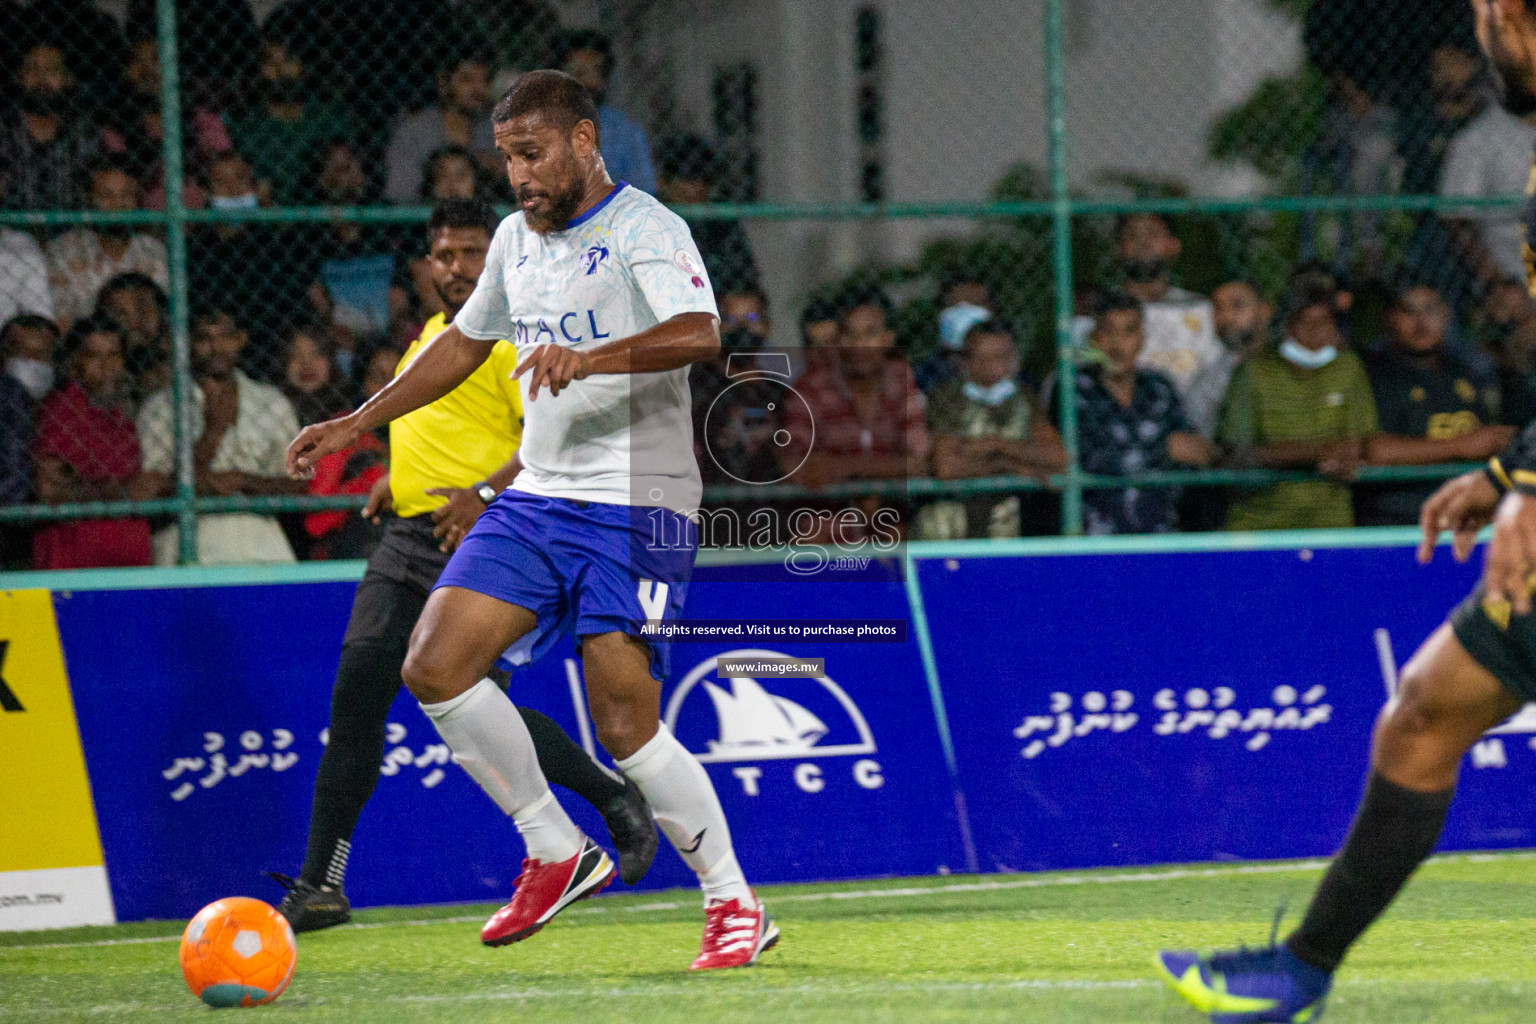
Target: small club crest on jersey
[
  {"x": 592, "y": 257},
  {"x": 685, "y": 263}
]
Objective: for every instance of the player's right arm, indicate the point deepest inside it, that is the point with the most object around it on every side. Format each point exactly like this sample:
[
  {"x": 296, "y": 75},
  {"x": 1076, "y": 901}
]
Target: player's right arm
[
  {"x": 442, "y": 366},
  {"x": 1467, "y": 503}
]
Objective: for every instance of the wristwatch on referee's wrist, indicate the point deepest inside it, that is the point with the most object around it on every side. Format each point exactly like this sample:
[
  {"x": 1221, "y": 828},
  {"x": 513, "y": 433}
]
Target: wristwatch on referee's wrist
[{"x": 486, "y": 492}]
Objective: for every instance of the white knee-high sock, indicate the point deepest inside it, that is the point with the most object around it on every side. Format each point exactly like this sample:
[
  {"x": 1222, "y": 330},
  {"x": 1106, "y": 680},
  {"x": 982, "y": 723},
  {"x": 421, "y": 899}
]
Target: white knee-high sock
[
  {"x": 488, "y": 738},
  {"x": 689, "y": 813}
]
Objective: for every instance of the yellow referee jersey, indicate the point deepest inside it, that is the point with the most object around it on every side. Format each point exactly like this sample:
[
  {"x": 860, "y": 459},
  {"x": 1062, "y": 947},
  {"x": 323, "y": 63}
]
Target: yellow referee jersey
[{"x": 461, "y": 438}]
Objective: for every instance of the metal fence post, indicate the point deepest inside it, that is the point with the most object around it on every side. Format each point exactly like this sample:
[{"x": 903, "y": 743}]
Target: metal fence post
[
  {"x": 1061, "y": 217},
  {"x": 176, "y": 257}
]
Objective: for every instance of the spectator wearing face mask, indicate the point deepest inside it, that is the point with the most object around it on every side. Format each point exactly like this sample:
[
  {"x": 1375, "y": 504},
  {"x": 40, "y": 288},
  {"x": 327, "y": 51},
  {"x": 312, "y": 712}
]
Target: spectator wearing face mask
[
  {"x": 1181, "y": 338},
  {"x": 587, "y": 56},
  {"x": 248, "y": 269},
  {"x": 45, "y": 145},
  {"x": 27, "y": 342},
  {"x": 1304, "y": 405},
  {"x": 282, "y": 134},
  {"x": 964, "y": 301},
  {"x": 983, "y": 423},
  {"x": 81, "y": 260},
  {"x": 1505, "y": 325}
]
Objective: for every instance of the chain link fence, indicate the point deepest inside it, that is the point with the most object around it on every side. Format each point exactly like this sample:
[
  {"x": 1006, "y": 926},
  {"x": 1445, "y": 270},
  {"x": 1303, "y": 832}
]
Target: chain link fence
[{"x": 214, "y": 233}]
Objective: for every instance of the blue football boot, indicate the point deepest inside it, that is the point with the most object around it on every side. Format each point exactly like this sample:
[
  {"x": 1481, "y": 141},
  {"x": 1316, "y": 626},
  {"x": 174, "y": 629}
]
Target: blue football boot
[{"x": 1247, "y": 986}]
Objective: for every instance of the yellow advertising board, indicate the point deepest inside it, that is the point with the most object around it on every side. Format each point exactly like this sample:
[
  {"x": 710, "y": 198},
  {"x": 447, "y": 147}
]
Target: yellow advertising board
[{"x": 52, "y": 873}]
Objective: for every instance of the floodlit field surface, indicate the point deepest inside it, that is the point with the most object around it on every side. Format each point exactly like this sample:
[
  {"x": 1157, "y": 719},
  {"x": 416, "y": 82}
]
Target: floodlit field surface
[{"x": 1071, "y": 947}]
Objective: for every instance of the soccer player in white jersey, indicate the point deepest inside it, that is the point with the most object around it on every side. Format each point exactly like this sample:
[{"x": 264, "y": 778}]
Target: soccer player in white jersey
[{"x": 604, "y": 294}]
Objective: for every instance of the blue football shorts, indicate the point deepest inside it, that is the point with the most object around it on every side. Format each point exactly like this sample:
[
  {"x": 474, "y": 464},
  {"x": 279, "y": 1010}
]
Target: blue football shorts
[{"x": 579, "y": 566}]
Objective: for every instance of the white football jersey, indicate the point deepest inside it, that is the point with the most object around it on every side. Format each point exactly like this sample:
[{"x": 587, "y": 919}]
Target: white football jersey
[{"x": 625, "y": 265}]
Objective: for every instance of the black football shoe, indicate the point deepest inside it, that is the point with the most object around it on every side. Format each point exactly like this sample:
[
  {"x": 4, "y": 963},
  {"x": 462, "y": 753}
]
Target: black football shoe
[
  {"x": 633, "y": 830},
  {"x": 309, "y": 907}
]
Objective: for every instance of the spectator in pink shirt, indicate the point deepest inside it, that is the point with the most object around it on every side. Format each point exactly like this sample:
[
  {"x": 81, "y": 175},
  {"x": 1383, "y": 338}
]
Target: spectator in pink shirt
[{"x": 85, "y": 448}]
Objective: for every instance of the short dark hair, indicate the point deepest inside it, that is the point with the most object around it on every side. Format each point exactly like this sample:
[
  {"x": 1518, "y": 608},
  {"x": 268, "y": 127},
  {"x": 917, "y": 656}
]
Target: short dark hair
[
  {"x": 28, "y": 322},
  {"x": 991, "y": 325},
  {"x": 860, "y": 295},
  {"x": 211, "y": 314},
  {"x": 1123, "y": 221},
  {"x": 104, "y": 163},
  {"x": 1241, "y": 279},
  {"x": 133, "y": 280},
  {"x": 572, "y": 40},
  {"x": 437, "y": 156},
  {"x": 467, "y": 55},
  {"x": 96, "y": 323},
  {"x": 1404, "y": 283},
  {"x": 818, "y": 309},
  {"x": 462, "y": 213},
  {"x": 1308, "y": 289},
  {"x": 743, "y": 286},
  {"x": 1117, "y": 302},
  {"x": 552, "y": 93},
  {"x": 687, "y": 156}
]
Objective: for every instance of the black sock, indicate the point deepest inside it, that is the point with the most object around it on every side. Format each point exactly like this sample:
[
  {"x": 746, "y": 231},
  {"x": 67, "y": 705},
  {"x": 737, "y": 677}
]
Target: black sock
[
  {"x": 1394, "y": 830},
  {"x": 564, "y": 762},
  {"x": 367, "y": 680}
]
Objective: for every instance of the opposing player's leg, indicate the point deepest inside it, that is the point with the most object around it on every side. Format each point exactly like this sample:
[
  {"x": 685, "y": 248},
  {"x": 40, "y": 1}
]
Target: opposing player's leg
[
  {"x": 1446, "y": 700},
  {"x": 384, "y": 610},
  {"x": 460, "y": 635},
  {"x": 619, "y": 801},
  {"x": 625, "y": 699}
]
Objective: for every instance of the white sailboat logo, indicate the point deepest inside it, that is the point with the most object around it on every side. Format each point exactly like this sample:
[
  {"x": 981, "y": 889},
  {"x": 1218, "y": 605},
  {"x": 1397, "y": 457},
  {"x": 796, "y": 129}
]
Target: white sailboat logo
[
  {"x": 754, "y": 721},
  {"x": 756, "y": 725}
]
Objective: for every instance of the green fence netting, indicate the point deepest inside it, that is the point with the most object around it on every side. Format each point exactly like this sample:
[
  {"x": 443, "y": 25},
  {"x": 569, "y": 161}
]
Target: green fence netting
[{"x": 199, "y": 192}]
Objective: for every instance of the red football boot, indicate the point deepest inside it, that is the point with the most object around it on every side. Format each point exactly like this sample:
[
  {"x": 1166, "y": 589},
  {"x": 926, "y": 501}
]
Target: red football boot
[
  {"x": 543, "y": 890},
  {"x": 734, "y": 937}
]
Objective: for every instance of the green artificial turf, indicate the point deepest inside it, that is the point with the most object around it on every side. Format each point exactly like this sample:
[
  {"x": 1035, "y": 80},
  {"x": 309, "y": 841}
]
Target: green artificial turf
[{"x": 1061, "y": 948}]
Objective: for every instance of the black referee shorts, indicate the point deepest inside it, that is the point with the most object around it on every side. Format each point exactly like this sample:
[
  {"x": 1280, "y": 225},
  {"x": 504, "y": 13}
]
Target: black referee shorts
[
  {"x": 1502, "y": 643},
  {"x": 401, "y": 574}
]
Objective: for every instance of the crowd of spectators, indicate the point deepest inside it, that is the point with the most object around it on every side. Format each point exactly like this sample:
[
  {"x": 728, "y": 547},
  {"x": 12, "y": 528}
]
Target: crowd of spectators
[
  {"x": 296, "y": 322},
  {"x": 1165, "y": 380}
]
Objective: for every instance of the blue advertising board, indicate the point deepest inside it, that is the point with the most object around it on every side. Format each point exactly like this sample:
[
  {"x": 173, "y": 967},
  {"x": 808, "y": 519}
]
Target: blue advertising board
[
  {"x": 1154, "y": 708},
  {"x": 202, "y": 713},
  {"x": 1078, "y": 709}
]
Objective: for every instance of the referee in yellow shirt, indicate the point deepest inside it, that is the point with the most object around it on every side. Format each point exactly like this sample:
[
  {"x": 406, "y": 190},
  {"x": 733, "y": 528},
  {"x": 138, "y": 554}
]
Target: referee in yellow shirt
[{"x": 448, "y": 460}]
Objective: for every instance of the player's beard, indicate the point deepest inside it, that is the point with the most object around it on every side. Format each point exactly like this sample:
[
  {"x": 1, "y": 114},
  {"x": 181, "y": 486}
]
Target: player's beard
[{"x": 562, "y": 207}]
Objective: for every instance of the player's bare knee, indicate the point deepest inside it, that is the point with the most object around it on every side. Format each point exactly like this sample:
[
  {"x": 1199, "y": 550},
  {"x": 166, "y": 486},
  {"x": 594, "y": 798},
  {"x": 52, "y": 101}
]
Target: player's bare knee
[
  {"x": 423, "y": 674},
  {"x": 1417, "y": 713},
  {"x": 622, "y": 727}
]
